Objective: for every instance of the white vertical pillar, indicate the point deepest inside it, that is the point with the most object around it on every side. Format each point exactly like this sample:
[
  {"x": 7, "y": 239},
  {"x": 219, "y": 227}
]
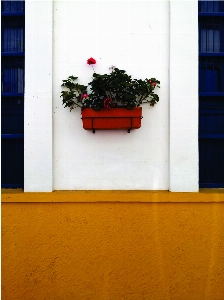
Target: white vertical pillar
[
  {"x": 184, "y": 96},
  {"x": 38, "y": 97}
]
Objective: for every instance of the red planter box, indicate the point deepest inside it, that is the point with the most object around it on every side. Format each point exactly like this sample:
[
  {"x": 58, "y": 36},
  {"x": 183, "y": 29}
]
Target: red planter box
[{"x": 112, "y": 118}]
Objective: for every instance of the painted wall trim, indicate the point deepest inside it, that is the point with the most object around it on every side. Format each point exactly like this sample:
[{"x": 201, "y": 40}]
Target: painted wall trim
[
  {"x": 183, "y": 96},
  {"x": 38, "y": 97},
  {"x": 205, "y": 196}
]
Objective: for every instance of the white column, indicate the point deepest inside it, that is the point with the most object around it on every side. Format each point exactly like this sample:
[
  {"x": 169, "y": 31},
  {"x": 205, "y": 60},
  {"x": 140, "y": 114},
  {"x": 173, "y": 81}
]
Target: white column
[
  {"x": 184, "y": 96},
  {"x": 38, "y": 97}
]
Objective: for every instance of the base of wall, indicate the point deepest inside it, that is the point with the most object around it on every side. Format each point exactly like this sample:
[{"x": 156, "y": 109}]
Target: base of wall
[
  {"x": 205, "y": 195},
  {"x": 112, "y": 250}
]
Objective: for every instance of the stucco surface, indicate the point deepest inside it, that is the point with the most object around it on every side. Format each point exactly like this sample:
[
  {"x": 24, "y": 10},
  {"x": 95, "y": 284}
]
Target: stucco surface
[
  {"x": 148, "y": 39},
  {"x": 138, "y": 42},
  {"x": 113, "y": 251}
]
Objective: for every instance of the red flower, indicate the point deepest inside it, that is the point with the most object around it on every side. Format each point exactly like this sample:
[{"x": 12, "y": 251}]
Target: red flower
[
  {"x": 108, "y": 103},
  {"x": 91, "y": 61},
  {"x": 84, "y": 96},
  {"x": 153, "y": 83}
]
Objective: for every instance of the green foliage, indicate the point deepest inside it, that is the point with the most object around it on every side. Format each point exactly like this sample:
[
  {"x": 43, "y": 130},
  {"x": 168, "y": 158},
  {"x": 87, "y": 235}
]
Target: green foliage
[{"x": 118, "y": 87}]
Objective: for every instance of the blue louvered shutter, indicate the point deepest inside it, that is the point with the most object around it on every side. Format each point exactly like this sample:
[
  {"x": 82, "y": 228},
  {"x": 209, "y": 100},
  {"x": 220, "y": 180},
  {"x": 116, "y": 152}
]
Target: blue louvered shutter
[
  {"x": 12, "y": 93},
  {"x": 211, "y": 94}
]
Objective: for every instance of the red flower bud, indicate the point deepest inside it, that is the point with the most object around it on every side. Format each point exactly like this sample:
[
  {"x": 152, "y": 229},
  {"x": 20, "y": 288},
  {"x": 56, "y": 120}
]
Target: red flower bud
[{"x": 91, "y": 61}]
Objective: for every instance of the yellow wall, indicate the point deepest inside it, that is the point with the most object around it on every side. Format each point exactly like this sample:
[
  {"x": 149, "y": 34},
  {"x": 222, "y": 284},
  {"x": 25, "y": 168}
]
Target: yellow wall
[{"x": 156, "y": 246}]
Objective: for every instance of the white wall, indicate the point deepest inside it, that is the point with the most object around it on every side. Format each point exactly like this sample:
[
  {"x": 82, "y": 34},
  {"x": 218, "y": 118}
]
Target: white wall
[
  {"x": 184, "y": 96},
  {"x": 130, "y": 35},
  {"x": 146, "y": 38},
  {"x": 38, "y": 97}
]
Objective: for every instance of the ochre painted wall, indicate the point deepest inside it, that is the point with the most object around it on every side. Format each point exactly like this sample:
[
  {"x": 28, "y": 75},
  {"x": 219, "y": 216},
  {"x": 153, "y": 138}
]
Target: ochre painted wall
[{"x": 112, "y": 250}]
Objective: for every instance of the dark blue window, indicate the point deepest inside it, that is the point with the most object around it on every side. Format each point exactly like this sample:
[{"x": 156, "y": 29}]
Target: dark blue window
[
  {"x": 12, "y": 93},
  {"x": 211, "y": 94}
]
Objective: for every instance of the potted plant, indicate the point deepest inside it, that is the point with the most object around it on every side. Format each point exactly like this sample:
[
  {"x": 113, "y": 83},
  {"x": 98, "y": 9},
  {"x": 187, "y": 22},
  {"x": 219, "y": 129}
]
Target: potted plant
[{"x": 110, "y": 101}]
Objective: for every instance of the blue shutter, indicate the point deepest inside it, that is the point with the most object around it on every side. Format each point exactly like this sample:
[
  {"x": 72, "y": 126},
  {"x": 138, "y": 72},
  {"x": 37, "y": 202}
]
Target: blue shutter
[
  {"x": 12, "y": 92},
  {"x": 211, "y": 94}
]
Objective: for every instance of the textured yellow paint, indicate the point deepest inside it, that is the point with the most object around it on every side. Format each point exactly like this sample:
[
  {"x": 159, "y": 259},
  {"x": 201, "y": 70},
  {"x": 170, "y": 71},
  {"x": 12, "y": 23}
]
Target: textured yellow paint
[
  {"x": 113, "y": 196},
  {"x": 113, "y": 251}
]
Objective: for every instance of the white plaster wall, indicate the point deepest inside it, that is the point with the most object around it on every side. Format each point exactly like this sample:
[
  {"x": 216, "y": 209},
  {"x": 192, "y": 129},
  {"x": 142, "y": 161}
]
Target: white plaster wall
[
  {"x": 130, "y": 35},
  {"x": 184, "y": 96},
  {"x": 38, "y": 97}
]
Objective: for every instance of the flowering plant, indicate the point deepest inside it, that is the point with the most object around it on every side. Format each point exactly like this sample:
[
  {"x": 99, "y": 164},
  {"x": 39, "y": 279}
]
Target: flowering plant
[{"x": 116, "y": 89}]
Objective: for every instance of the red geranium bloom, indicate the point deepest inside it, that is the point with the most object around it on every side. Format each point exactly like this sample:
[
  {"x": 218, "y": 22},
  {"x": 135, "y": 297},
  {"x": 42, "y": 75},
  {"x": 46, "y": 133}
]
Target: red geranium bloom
[
  {"x": 91, "y": 61},
  {"x": 108, "y": 103},
  {"x": 84, "y": 96}
]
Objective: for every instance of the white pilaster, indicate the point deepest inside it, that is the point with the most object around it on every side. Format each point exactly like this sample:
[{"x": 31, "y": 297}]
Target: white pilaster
[
  {"x": 184, "y": 96},
  {"x": 38, "y": 97}
]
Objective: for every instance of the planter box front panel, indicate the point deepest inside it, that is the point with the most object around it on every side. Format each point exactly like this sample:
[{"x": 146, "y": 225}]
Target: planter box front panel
[{"x": 112, "y": 119}]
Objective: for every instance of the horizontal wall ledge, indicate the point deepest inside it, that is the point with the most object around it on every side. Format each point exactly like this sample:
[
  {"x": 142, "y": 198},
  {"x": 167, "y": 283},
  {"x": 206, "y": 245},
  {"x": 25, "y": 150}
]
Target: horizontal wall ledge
[{"x": 204, "y": 196}]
